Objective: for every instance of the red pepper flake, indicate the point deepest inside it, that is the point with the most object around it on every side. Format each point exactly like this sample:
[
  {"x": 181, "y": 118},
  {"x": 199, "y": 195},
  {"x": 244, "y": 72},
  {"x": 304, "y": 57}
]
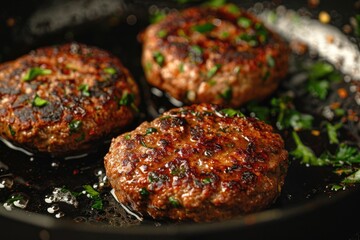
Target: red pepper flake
[
  {"x": 334, "y": 105},
  {"x": 352, "y": 116},
  {"x": 92, "y": 132},
  {"x": 315, "y": 133},
  {"x": 75, "y": 171},
  {"x": 342, "y": 93}
]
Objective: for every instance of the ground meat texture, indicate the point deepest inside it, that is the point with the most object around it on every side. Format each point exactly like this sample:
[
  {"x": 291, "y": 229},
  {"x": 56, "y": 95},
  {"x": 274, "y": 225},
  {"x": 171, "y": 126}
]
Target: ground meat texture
[
  {"x": 218, "y": 55},
  {"x": 198, "y": 163},
  {"x": 61, "y": 99}
]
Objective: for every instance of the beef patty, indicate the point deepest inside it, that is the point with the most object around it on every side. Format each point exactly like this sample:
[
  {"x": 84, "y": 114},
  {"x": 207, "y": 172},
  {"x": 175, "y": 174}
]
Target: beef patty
[
  {"x": 221, "y": 55},
  {"x": 199, "y": 162},
  {"x": 61, "y": 99}
]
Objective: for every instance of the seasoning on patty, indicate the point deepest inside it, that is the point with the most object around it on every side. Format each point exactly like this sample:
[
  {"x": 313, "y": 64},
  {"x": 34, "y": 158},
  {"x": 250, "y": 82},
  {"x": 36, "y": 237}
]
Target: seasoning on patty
[
  {"x": 221, "y": 55},
  {"x": 200, "y": 162},
  {"x": 61, "y": 99}
]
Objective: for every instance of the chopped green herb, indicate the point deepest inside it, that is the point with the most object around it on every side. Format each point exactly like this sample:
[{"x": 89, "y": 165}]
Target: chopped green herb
[
  {"x": 127, "y": 136},
  {"x": 332, "y": 132},
  {"x": 39, "y": 102},
  {"x": 144, "y": 192},
  {"x": 353, "y": 178},
  {"x": 98, "y": 204},
  {"x": 270, "y": 61},
  {"x": 336, "y": 187},
  {"x": 227, "y": 94},
  {"x": 14, "y": 199},
  {"x": 261, "y": 32},
  {"x": 344, "y": 155},
  {"x": 181, "y": 67},
  {"x": 224, "y": 35},
  {"x": 91, "y": 191},
  {"x": 212, "y": 71},
  {"x": 12, "y": 131},
  {"x": 320, "y": 75},
  {"x": 299, "y": 121},
  {"x": 182, "y": 33},
  {"x": 339, "y": 112},
  {"x": 230, "y": 112},
  {"x": 195, "y": 53},
  {"x": 34, "y": 72},
  {"x": 248, "y": 38},
  {"x": 244, "y": 22},
  {"x": 303, "y": 152},
  {"x": 84, "y": 88},
  {"x": 215, "y": 3},
  {"x": 159, "y": 58},
  {"x": 232, "y": 8},
  {"x": 110, "y": 70},
  {"x": 211, "y": 82},
  {"x": 162, "y": 33},
  {"x": 150, "y": 130},
  {"x": 288, "y": 116},
  {"x": 75, "y": 126},
  {"x": 144, "y": 144},
  {"x": 260, "y": 112},
  {"x": 318, "y": 88},
  {"x": 128, "y": 99},
  {"x": 174, "y": 202},
  {"x": 319, "y": 70},
  {"x": 157, "y": 16},
  {"x": 357, "y": 27},
  {"x": 204, "y": 28},
  {"x": 206, "y": 181},
  {"x": 148, "y": 66},
  {"x": 196, "y": 50}
]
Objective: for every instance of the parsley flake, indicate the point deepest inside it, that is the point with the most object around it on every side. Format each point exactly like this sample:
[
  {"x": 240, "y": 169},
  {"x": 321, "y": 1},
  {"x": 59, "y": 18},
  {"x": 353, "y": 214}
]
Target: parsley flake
[
  {"x": 84, "y": 88},
  {"x": 75, "y": 126},
  {"x": 244, "y": 22},
  {"x": 204, "y": 28},
  {"x": 34, "y": 72},
  {"x": 304, "y": 153},
  {"x": 110, "y": 70},
  {"x": 39, "y": 102},
  {"x": 95, "y": 196},
  {"x": 230, "y": 112},
  {"x": 332, "y": 132},
  {"x": 174, "y": 202},
  {"x": 212, "y": 71},
  {"x": 159, "y": 58}
]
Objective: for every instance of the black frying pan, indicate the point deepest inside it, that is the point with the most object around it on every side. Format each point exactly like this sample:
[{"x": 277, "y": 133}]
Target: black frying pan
[{"x": 306, "y": 207}]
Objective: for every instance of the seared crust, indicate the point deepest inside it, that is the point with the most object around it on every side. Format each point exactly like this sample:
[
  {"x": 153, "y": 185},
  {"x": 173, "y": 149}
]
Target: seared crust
[
  {"x": 214, "y": 55},
  {"x": 196, "y": 163},
  {"x": 61, "y": 99}
]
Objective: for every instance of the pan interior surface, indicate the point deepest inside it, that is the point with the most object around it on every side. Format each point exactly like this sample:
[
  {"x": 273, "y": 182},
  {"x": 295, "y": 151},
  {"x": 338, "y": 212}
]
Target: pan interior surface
[{"x": 49, "y": 196}]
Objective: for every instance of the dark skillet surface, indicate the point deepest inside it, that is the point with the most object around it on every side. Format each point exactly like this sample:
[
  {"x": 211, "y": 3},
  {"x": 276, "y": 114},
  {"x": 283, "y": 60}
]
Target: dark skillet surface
[{"x": 306, "y": 207}]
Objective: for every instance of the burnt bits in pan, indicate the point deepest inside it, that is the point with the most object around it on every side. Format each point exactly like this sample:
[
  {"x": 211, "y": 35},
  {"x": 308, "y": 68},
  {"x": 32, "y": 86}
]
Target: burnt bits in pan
[
  {"x": 221, "y": 55},
  {"x": 62, "y": 99}
]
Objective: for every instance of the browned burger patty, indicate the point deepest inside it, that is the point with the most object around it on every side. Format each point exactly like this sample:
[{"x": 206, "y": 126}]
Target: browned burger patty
[
  {"x": 60, "y": 99},
  {"x": 199, "y": 163},
  {"x": 215, "y": 55}
]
